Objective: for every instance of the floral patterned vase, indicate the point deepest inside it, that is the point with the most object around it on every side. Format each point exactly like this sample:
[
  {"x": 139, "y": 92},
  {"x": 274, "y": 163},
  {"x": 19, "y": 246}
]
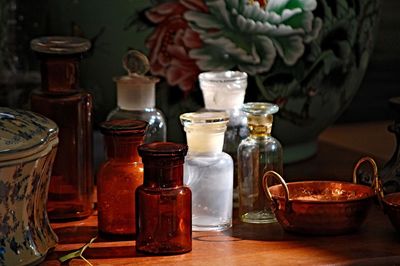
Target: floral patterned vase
[
  {"x": 307, "y": 56},
  {"x": 28, "y": 144}
]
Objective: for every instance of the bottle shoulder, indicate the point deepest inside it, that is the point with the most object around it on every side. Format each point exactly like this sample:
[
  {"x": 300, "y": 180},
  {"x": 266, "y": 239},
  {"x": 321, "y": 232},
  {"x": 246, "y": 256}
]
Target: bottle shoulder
[
  {"x": 115, "y": 167},
  {"x": 211, "y": 156},
  {"x": 149, "y": 114},
  {"x": 260, "y": 141},
  {"x": 267, "y": 143},
  {"x": 200, "y": 160},
  {"x": 73, "y": 96}
]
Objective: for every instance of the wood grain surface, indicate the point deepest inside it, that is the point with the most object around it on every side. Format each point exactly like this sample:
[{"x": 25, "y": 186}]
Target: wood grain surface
[{"x": 375, "y": 243}]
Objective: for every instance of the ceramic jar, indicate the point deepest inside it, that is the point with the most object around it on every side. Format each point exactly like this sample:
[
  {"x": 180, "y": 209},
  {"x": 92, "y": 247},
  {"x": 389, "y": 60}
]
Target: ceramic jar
[{"x": 28, "y": 144}]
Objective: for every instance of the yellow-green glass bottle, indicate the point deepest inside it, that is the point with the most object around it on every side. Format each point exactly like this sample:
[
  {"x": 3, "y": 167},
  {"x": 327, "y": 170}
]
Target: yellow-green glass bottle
[{"x": 258, "y": 153}]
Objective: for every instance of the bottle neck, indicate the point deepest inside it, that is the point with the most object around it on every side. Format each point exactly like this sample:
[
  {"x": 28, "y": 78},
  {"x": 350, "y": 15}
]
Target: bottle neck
[
  {"x": 123, "y": 148},
  {"x": 60, "y": 74},
  {"x": 259, "y": 125},
  {"x": 163, "y": 172}
]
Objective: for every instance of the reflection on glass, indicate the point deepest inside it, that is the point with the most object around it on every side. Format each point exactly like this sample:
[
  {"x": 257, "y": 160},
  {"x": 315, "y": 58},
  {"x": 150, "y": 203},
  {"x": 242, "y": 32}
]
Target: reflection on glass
[
  {"x": 208, "y": 170},
  {"x": 258, "y": 153}
]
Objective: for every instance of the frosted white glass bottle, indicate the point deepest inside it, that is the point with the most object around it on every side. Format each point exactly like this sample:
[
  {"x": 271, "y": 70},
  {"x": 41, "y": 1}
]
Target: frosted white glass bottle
[
  {"x": 225, "y": 91},
  {"x": 208, "y": 171},
  {"x": 136, "y": 97}
]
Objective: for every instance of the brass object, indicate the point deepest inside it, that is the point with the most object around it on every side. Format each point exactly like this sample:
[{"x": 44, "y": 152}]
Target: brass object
[
  {"x": 391, "y": 206},
  {"x": 321, "y": 207}
]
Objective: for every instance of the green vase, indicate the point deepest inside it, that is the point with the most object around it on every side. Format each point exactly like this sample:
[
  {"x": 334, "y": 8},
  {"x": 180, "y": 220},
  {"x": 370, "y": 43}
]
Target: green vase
[{"x": 308, "y": 57}]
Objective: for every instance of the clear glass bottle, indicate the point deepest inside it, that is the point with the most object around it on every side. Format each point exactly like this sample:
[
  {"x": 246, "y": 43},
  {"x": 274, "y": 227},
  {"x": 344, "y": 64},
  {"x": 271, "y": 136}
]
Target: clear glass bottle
[
  {"x": 225, "y": 91},
  {"x": 136, "y": 98},
  {"x": 72, "y": 183},
  {"x": 208, "y": 171},
  {"x": 258, "y": 153},
  {"x": 118, "y": 177},
  {"x": 163, "y": 203}
]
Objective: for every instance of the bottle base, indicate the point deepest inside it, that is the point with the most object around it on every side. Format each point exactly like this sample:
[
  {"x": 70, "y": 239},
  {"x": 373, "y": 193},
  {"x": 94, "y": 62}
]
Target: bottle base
[
  {"x": 210, "y": 223},
  {"x": 116, "y": 237},
  {"x": 156, "y": 249},
  {"x": 218, "y": 228},
  {"x": 68, "y": 214},
  {"x": 260, "y": 217}
]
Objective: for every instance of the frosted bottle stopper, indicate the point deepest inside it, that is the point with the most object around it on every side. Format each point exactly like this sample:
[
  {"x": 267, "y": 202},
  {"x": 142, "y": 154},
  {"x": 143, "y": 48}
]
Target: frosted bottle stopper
[
  {"x": 223, "y": 90},
  {"x": 136, "y": 91},
  {"x": 205, "y": 130}
]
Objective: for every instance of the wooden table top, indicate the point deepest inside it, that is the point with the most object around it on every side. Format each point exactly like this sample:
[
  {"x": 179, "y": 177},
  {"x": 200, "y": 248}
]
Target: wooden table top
[{"x": 375, "y": 243}]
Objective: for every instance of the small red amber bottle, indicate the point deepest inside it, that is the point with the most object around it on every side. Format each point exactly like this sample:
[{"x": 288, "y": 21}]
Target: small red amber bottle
[
  {"x": 163, "y": 203},
  {"x": 119, "y": 176}
]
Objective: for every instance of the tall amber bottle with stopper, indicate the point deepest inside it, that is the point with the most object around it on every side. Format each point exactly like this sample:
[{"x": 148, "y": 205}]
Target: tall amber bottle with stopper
[
  {"x": 163, "y": 203},
  {"x": 136, "y": 97},
  {"x": 118, "y": 177},
  {"x": 258, "y": 153},
  {"x": 71, "y": 184}
]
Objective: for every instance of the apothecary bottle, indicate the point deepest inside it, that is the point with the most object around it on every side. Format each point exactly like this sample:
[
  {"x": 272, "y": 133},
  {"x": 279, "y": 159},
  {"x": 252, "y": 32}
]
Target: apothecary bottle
[
  {"x": 71, "y": 185},
  {"x": 163, "y": 203},
  {"x": 118, "y": 177},
  {"x": 136, "y": 99},
  {"x": 225, "y": 91},
  {"x": 258, "y": 153},
  {"x": 208, "y": 171}
]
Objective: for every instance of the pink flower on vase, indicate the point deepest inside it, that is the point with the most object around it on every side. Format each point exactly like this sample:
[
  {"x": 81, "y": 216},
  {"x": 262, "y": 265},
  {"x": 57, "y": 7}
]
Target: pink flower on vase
[{"x": 171, "y": 41}]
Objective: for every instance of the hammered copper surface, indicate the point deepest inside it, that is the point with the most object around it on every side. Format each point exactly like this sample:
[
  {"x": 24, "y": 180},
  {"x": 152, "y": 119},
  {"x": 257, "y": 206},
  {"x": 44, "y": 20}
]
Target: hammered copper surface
[
  {"x": 391, "y": 203},
  {"x": 321, "y": 207}
]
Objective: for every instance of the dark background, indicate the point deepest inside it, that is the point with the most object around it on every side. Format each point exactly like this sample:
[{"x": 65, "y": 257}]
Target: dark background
[{"x": 382, "y": 79}]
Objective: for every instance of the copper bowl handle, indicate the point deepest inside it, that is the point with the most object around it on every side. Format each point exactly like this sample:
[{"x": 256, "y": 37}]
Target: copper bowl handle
[
  {"x": 376, "y": 183},
  {"x": 271, "y": 174},
  {"x": 360, "y": 162}
]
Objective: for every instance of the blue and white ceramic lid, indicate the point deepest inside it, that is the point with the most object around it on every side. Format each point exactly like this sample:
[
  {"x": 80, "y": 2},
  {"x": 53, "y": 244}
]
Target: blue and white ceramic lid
[{"x": 24, "y": 133}]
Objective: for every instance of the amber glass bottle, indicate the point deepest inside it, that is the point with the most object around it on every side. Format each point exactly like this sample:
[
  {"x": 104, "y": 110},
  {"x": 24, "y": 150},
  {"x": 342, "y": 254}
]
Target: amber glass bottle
[
  {"x": 163, "y": 203},
  {"x": 71, "y": 185},
  {"x": 119, "y": 176}
]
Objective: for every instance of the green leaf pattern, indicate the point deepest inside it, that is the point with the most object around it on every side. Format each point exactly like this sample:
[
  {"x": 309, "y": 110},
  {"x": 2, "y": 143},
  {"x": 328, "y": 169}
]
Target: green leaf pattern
[
  {"x": 330, "y": 60},
  {"x": 308, "y": 56},
  {"x": 252, "y": 37}
]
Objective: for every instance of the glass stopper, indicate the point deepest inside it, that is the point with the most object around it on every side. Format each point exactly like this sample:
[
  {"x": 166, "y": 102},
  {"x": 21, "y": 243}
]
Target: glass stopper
[
  {"x": 123, "y": 127},
  {"x": 205, "y": 118},
  {"x": 259, "y": 117},
  {"x": 135, "y": 62},
  {"x": 216, "y": 86},
  {"x": 259, "y": 108},
  {"x": 60, "y": 45}
]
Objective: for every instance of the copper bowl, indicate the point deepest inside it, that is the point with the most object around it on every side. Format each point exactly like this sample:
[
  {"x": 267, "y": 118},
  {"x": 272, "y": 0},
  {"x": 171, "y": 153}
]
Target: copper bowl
[
  {"x": 391, "y": 206},
  {"x": 320, "y": 207}
]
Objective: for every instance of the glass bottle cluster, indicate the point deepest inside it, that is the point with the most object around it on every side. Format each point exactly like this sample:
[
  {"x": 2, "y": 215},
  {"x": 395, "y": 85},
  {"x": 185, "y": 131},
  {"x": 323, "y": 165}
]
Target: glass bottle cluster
[{"x": 167, "y": 189}]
